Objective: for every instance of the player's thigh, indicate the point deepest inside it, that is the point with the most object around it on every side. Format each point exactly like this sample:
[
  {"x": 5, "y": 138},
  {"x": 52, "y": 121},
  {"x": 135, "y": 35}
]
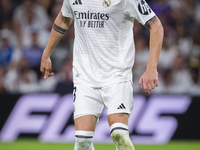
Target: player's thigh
[
  {"x": 85, "y": 123},
  {"x": 118, "y": 118},
  {"x": 119, "y": 102},
  {"x": 88, "y": 106}
]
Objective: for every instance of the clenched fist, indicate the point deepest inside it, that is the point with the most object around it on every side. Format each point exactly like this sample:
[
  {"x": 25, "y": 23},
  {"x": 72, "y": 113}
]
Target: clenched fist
[{"x": 149, "y": 80}]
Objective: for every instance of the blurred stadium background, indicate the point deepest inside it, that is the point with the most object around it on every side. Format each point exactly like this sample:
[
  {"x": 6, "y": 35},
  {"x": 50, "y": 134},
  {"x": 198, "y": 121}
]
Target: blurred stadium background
[{"x": 34, "y": 111}]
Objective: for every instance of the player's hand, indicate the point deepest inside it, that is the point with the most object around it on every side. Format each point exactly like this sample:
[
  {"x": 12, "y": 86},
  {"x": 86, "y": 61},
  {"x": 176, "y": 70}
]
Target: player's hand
[
  {"x": 45, "y": 67},
  {"x": 149, "y": 80}
]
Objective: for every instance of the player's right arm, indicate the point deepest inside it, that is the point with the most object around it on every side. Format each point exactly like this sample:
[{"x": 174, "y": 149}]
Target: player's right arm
[{"x": 59, "y": 28}]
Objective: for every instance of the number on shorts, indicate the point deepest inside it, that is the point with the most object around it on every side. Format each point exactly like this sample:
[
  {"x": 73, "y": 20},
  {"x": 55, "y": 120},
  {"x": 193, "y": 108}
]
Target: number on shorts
[{"x": 74, "y": 94}]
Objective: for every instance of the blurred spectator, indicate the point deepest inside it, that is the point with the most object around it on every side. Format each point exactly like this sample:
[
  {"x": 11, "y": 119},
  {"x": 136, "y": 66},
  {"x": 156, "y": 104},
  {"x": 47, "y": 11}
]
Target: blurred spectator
[
  {"x": 65, "y": 85},
  {"x": 45, "y": 4},
  {"x": 30, "y": 16},
  {"x": 12, "y": 75},
  {"x": 195, "y": 50},
  {"x": 10, "y": 38},
  {"x": 28, "y": 81},
  {"x": 6, "y": 52},
  {"x": 33, "y": 54},
  {"x": 142, "y": 53},
  {"x": 20, "y": 78},
  {"x": 183, "y": 40},
  {"x": 2, "y": 84},
  {"x": 11, "y": 78},
  {"x": 195, "y": 88},
  {"x": 48, "y": 85},
  {"x": 6, "y": 11},
  {"x": 193, "y": 11},
  {"x": 6, "y": 48},
  {"x": 168, "y": 53},
  {"x": 141, "y": 60},
  {"x": 166, "y": 84},
  {"x": 181, "y": 75}
]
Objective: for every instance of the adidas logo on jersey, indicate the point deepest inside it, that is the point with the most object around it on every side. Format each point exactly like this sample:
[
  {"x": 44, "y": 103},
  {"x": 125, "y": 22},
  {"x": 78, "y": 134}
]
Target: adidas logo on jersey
[
  {"x": 77, "y": 2},
  {"x": 121, "y": 106}
]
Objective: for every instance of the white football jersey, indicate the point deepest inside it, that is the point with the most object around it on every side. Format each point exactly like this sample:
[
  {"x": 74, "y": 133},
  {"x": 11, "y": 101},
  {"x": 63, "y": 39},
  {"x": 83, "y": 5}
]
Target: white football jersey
[{"x": 104, "y": 49}]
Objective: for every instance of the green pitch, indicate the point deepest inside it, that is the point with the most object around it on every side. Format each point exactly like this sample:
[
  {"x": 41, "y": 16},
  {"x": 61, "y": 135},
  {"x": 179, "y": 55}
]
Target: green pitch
[{"x": 35, "y": 145}]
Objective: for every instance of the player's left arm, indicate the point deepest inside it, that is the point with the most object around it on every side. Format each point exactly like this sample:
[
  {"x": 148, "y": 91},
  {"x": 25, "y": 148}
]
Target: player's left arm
[{"x": 149, "y": 79}]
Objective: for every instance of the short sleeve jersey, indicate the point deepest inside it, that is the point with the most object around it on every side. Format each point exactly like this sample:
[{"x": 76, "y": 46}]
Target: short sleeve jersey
[{"x": 104, "y": 49}]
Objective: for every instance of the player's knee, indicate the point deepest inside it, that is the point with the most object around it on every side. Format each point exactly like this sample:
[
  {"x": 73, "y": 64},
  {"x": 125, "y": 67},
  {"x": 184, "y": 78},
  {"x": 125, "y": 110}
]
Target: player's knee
[
  {"x": 84, "y": 140},
  {"x": 120, "y": 136}
]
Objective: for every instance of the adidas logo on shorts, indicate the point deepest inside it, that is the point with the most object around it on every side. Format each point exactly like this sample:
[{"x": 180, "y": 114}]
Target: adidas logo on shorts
[
  {"x": 121, "y": 106},
  {"x": 77, "y": 2}
]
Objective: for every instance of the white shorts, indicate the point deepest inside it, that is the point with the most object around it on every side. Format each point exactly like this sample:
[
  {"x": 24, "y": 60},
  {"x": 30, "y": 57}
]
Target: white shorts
[{"x": 118, "y": 98}]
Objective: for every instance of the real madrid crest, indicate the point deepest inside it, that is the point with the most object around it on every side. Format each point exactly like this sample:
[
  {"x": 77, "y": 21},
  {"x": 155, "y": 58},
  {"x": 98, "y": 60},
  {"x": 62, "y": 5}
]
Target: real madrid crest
[{"x": 106, "y": 3}]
